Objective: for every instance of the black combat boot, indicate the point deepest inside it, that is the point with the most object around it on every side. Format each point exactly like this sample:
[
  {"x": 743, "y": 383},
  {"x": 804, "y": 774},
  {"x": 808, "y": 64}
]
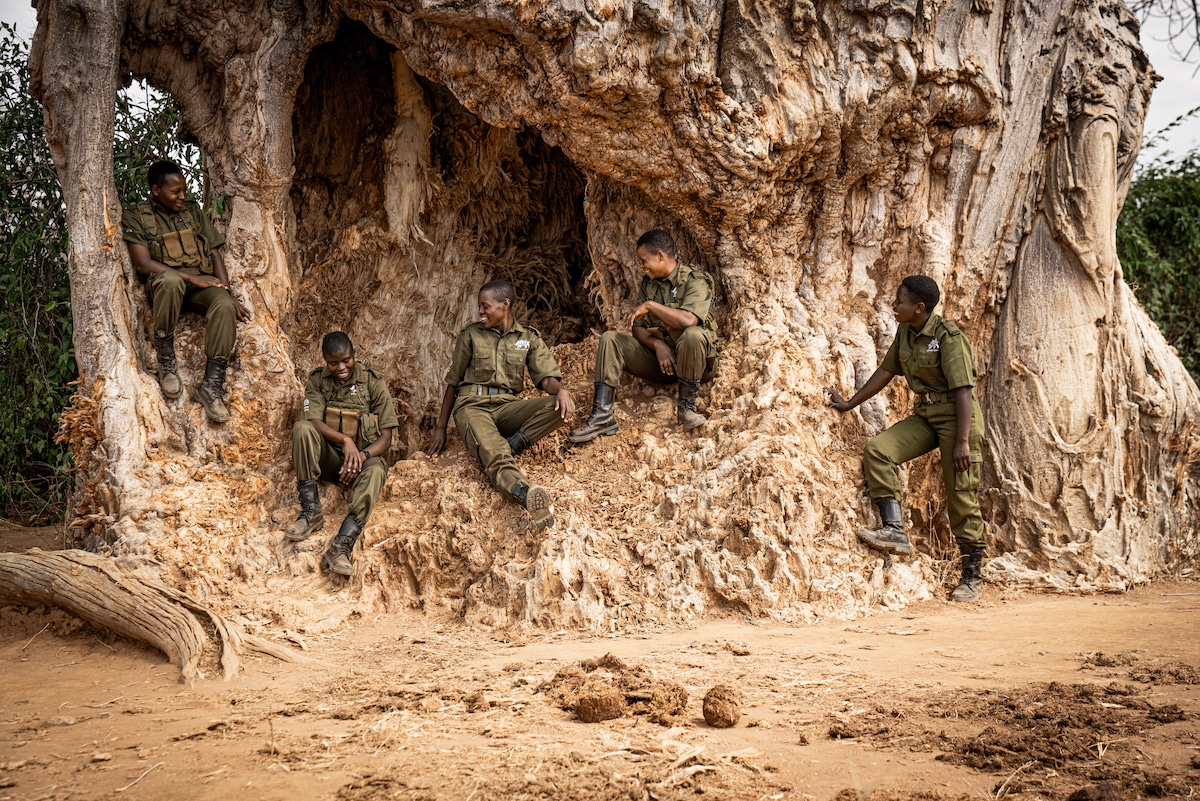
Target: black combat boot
[
  {"x": 337, "y": 557},
  {"x": 602, "y": 420},
  {"x": 890, "y": 537},
  {"x": 310, "y": 518},
  {"x": 686, "y": 414},
  {"x": 518, "y": 443},
  {"x": 537, "y": 501},
  {"x": 211, "y": 392},
  {"x": 970, "y": 586},
  {"x": 168, "y": 379}
]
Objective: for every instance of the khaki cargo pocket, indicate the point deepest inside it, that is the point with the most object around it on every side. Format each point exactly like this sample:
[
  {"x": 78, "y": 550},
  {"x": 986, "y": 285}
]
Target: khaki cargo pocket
[
  {"x": 368, "y": 429},
  {"x": 173, "y": 248},
  {"x": 187, "y": 241},
  {"x": 343, "y": 421},
  {"x": 969, "y": 479}
]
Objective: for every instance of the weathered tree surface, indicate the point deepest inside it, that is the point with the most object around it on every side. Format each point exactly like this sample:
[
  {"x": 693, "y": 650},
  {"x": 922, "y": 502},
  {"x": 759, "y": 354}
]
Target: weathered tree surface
[
  {"x": 382, "y": 159},
  {"x": 113, "y": 596}
]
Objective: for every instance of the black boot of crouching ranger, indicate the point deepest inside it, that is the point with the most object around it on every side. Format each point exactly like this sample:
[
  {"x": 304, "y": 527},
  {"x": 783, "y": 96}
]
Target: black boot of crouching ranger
[
  {"x": 602, "y": 421},
  {"x": 337, "y": 558},
  {"x": 890, "y": 537},
  {"x": 211, "y": 392},
  {"x": 686, "y": 414},
  {"x": 537, "y": 501},
  {"x": 970, "y": 586},
  {"x": 518, "y": 443},
  {"x": 311, "y": 519},
  {"x": 168, "y": 378}
]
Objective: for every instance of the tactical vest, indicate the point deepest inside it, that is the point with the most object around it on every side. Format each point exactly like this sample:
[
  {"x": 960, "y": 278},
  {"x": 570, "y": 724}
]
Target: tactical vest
[{"x": 179, "y": 249}]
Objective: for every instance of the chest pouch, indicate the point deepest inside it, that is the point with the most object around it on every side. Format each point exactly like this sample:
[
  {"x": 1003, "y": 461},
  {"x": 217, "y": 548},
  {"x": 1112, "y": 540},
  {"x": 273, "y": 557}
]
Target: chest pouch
[
  {"x": 343, "y": 421},
  {"x": 181, "y": 249}
]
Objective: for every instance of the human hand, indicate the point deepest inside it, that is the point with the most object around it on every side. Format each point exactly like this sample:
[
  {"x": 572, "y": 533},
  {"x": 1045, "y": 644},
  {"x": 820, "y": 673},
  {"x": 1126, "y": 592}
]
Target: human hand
[
  {"x": 243, "y": 313},
  {"x": 962, "y": 457},
  {"x": 564, "y": 405},
  {"x": 666, "y": 357},
  {"x": 836, "y": 401},
  {"x": 640, "y": 311},
  {"x": 204, "y": 281},
  {"x": 353, "y": 462},
  {"x": 437, "y": 443}
]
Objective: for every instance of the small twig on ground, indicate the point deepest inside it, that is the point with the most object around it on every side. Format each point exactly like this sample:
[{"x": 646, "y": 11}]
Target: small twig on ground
[
  {"x": 105, "y": 703},
  {"x": 138, "y": 779},
  {"x": 34, "y": 637},
  {"x": 1000, "y": 791}
]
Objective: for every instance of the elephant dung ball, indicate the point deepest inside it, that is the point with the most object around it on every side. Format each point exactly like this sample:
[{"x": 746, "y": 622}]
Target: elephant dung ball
[
  {"x": 721, "y": 707},
  {"x": 599, "y": 702}
]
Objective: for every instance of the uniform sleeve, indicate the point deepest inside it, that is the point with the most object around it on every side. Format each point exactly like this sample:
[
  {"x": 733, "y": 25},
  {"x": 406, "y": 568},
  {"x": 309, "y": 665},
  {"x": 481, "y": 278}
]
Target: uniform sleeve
[
  {"x": 314, "y": 401},
  {"x": 382, "y": 405},
  {"x": 462, "y": 357},
  {"x": 642, "y": 297},
  {"x": 958, "y": 363},
  {"x": 891, "y": 360},
  {"x": 212, "y": 237},
  {"x": 697, "y": 298},
  {"x": 541, "y": 362},
  {"x": 134, "y": 231}
]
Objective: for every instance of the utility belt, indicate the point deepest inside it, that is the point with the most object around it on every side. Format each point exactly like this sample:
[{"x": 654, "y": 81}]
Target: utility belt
[
  {"x": 362, "y": 427},
  {"x": 934, "y": 397},
  {"x": 480, "y": 389}
]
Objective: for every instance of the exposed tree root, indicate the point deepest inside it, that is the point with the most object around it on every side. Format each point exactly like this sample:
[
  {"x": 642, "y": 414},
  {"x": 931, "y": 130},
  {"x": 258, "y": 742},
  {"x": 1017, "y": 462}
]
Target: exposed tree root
[{"x": 100, "y": 591}]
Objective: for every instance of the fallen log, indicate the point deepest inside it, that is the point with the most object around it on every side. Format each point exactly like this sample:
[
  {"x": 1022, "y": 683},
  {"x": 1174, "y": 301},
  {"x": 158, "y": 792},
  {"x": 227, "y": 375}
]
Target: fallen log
[{"x": 102, "y": 592}]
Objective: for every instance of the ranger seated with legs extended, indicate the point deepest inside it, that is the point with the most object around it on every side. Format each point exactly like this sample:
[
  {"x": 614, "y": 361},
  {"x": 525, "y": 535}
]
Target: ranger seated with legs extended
[
  {"x": 177, "y": 252},
  {"x": 673, "y": 339},
  {"x": 344, "y": 431},
  {"x": 935, "y": 357},
  {"x": 485, "y": 376}
]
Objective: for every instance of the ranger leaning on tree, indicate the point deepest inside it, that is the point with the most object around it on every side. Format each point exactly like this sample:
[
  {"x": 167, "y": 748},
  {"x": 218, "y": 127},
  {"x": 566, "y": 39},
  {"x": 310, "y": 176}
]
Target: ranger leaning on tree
[
  {"x": 486, "y": 374},
  {"x": 344, "y": 431},
  {"x": 935, "y": 357},
  {"x": 673, "y": 338},
  {"x": 177, "y": 252}
]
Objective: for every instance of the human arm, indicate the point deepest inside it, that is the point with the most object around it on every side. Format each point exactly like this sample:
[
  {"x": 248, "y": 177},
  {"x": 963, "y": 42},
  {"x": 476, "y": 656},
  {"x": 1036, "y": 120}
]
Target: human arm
[
  {"x": 878, "y": 380},
  {"x": 145, "y": 265},
  {"x": 676, "y": 320},
  {"x": 963, "y": 406},
  {"x": 562, "y": 401},
  {"x": 355, "y": 457},
  {"x": 218, "y": 265},
  {"x": 662, "y": 351},
  {"x": 438, "y": 441}
]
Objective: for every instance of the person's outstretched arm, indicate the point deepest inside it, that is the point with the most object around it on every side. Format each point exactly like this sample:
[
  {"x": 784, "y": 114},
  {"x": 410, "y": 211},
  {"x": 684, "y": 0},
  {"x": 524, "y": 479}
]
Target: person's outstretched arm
[
  {"x": 878, "y": 380},
  {"x": 438, "y": 441}
]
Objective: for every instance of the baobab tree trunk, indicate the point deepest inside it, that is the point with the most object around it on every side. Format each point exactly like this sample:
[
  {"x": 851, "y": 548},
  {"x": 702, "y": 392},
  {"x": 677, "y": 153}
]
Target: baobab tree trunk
[{"x": 383, "y": 159}]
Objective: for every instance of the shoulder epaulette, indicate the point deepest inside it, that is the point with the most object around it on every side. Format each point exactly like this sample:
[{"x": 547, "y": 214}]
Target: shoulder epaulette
[
  {"x": 952, "y": 329},
  {"x": 373, "y": 372}
]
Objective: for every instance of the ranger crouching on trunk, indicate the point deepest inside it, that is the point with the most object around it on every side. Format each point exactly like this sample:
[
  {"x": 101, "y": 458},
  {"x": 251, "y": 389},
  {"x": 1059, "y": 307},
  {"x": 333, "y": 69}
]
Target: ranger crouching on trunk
[
  {"x": 345, "y": 428},
  {"x": 673, "y": 338},
  {"x": 177, "y": 252},
  {"x": 935, "y": 357}
]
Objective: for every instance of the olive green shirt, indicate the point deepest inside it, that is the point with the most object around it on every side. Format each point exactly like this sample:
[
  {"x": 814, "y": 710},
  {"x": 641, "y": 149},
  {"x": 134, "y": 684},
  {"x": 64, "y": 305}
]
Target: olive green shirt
[
  {"x": 685, "y": 288},
  {"x": 182, "y": 240},
  {"x": 483, "y": 356},
  {"x": 937, "y": 358},
  {"x": 364, "y": 392}
]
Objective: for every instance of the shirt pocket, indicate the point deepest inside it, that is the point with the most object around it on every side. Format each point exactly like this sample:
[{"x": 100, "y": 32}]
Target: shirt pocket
[
  {"x": 926, "y": 359},
  {"x": 514, "y": 369},
  {"x": 483, "y": 368}
]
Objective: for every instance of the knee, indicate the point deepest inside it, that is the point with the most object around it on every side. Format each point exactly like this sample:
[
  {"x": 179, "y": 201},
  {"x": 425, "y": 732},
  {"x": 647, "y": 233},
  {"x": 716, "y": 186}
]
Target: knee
[
  {"x": 304, "y": 430},
  {"x": 874, "y": 451},
  {"x": 222, "y": 308},
  {"x": 609, "y": 338},
  {"x": 168, "y": 283}
]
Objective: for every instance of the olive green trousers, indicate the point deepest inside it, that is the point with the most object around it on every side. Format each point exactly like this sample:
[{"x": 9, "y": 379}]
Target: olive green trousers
[
  {"x": 933, "y": 425},
  {"x": 169, "y": 294},
  {"x": 486, "y": 421},
  {"x": 695, "y": 358},
  {"x": 315, "y": 457}
]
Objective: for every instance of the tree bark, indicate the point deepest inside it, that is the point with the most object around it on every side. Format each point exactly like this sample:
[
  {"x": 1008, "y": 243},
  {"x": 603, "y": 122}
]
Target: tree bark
[{"x": 383, "y": 159}]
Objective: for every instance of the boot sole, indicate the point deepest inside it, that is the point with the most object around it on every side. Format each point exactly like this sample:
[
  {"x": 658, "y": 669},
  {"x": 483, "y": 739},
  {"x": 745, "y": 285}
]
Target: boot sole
[
  {"x": 313, "y": 526},
  {"x": 690, "y": 426},
  {"x": 974, "y": 596},
  {"x": 887, "y": 547},
  {"x": 537, "y": 502},
  {"x": 607, "y": 431}
]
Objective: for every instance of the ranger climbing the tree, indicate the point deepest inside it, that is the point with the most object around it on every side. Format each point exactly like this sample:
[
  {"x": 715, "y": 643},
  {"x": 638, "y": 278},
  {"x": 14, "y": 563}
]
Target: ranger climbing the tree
[
  {"x": 935, "y": 357},
  {"x": 673, "y": 339},
  {"x": 344, "y": 430},
  {"x": 176, "y": 250}
]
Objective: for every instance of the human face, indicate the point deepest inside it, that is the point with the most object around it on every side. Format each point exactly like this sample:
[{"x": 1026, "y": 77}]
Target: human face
[
  {"x": 656, "y": 263},
  {"x": 493, "y": 312},
  {"x": 340, "y": 364},
  {"x": 172, "y": 193},
  {"x": 907, "y": 308}
]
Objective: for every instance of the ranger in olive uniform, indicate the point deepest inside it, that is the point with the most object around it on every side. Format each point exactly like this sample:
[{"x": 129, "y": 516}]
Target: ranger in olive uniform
[
  {"x": 344, "y": 430},
  {"x": 177, "y": 251},
  {"x": 673, "y": 339},
  {"x": 485, "y": 376},
  {"x": 935, "y": 357}
]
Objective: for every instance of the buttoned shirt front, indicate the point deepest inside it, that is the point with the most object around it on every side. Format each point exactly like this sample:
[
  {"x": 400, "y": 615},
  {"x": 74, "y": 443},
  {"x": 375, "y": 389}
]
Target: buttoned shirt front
[
  {"x": 685, "y": 288},
  {"x": 936, "y": 358},
  {"x": 487, "y": 358}
]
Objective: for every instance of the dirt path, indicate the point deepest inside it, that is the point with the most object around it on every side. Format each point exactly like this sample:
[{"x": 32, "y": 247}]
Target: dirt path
[{"x": 1003, "y": 698}]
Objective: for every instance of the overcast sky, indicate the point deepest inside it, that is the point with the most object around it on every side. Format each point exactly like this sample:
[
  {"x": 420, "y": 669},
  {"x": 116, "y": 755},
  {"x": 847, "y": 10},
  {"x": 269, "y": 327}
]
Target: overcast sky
[{"x": 1178, "y": 93}]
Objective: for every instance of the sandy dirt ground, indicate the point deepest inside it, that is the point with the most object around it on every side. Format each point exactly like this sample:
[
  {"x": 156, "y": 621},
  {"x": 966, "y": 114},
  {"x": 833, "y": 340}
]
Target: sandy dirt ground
[{"x": 1020, "y": 695}]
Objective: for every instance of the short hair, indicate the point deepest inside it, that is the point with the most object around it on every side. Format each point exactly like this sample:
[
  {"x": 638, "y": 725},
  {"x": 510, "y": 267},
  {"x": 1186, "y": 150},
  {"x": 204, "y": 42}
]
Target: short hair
[
  {"x": 336, "y": 342},
  {"x": 923, "y": 289},
  {"x": 159, "y": 171},
  {"x": 656, "y": 240},
  {"x": 501, "y": 290}
]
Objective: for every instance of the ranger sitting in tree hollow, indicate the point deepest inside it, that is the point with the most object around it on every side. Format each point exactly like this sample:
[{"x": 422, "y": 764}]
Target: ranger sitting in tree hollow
[
  {"x": 485, "y": 376},
  {"x": 673, "y": 339},
  {"x": 344, "y": 430},
  {"x": 935, "y": 357},
  {"x": 177, "y": 251}
]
